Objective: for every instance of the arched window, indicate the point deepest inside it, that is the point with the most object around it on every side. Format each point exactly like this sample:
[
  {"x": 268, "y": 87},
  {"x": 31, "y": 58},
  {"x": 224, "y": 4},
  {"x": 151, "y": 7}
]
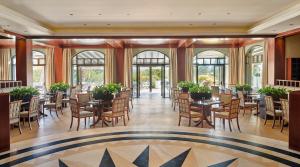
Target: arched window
[
  {"x": 209, "y": 68},
  {"x": 254, "y": 65},
  {"x": 38, "y": 69},
  {"x": 88, "y": 69},
  {"x": 150, "y": 73}
]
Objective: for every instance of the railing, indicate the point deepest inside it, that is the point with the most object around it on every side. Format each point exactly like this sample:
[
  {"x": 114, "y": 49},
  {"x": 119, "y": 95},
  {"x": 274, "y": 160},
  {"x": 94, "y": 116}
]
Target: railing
[
  {"x": 8, "y": 85},
  {"x": 288, "y": 83}
]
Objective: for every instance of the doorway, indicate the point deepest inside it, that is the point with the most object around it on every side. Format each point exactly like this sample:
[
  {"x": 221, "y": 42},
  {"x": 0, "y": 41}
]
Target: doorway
[{"x": 150, "y": 75}]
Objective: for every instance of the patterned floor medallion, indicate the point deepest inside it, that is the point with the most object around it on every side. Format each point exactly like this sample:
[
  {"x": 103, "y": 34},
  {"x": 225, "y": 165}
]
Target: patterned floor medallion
[{"x": 150, "y": 149}]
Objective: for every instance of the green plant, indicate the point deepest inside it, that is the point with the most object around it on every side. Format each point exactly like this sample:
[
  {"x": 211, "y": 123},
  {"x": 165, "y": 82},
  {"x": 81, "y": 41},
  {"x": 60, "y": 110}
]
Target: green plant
[
  {"x": 199, "y": 89},
  {"x": 245, "y": 87},
  {"x": 113, "y": 87},
  {"x": 59, "y": 87},
  {"x": 186, "y": 84},
  {"x": 276, "y": 93},
  {"x": 24, "y": 93}
]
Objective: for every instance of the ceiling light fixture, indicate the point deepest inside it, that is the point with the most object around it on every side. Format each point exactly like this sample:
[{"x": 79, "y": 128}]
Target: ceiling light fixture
[
  {"x": 108, "y": 24},
  {"x": 99, "y": 14},
  {"x": 128, "y": 14},
  {"x": 71, "y": 14},
  {"x": 199, "y": 13},
  {"x": 291, "y": 24},
  {"x": 228, "y": 13},
  {"x": 191, "y": 24},
  {"x": 85, "y": 24}
]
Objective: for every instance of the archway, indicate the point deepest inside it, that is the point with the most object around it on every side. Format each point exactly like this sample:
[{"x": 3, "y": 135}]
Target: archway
[
  {"x": 254, "y": 66},
  {"x": 150, "y": 74}
]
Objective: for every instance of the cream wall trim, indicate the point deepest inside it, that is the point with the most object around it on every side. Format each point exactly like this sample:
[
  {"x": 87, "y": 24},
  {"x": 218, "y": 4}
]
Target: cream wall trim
[
  {"x": 20, "y": 19},
  {"x": 282, "y": 16},
  {"x": 152, "y": 31}
]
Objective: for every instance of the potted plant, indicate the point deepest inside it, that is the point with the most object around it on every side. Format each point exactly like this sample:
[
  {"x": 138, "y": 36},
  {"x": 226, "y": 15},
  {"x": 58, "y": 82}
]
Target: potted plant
[
  {"x": 60, "y": 86},
  {"x": 106, "y": 92},
  {"x": 246, "y": 89},
  {"x": 276, "y": 93},
  {"x": 198, "y": 92},
  {"x": 24, "y": 93},
  {"x": 185, "y": 85}
]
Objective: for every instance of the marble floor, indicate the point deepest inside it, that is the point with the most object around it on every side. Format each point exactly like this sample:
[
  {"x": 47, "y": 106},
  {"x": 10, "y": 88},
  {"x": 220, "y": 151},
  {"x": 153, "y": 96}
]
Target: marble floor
[{"x": 151, "y": 138}]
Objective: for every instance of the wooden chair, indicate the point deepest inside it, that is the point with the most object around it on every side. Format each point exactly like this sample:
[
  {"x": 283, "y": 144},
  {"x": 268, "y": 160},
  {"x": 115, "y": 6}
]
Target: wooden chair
[
  {"x": 57, "y": 105},
  {"x": 78, "y": 112},
  {"x": 176, "y": 98},
  {"x": 14, "y": 113},
  {"x": 126, "y": 94},
  {"x": 72, "y": 94},
  {"x": 225, "y": 101},
  {"x": 83, "y": 100},
  {"x": 117, "y": 111},
  {"x": 270, "y": 110},
  {"x": 215, "y": 91},
  {"x": 33, "y": 111},
  {"x": 230, "y": 113},
  {"x": 285, "y": 111},
  {"x": 246, "y": 105},
  {"x": 186, "y": 111}
]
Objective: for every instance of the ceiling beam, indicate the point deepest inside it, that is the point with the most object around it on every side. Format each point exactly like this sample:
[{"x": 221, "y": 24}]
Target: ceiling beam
[
  {"x": 280, "y": 17},
  {"x": 21, "y": 20}
]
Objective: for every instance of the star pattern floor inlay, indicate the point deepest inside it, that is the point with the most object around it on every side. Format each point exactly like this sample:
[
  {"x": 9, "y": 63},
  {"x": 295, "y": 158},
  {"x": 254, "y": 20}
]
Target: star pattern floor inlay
[{"x": 172, "y": 147}]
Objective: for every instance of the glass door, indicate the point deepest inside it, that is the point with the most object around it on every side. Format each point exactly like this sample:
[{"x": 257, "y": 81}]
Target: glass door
[{"x": 143, "y": 80}]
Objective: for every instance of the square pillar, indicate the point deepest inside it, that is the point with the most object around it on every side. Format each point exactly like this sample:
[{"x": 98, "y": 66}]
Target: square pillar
[{"x": 24, "y": 61}]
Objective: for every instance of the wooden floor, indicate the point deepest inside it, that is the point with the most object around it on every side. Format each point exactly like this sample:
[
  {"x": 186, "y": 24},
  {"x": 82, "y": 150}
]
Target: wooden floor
[{"x": 149, "y": 112}]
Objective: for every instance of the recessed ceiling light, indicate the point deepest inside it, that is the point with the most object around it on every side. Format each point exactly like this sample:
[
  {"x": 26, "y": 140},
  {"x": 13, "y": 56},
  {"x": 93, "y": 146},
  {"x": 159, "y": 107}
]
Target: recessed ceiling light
[
  {"x": 71, "y": 14},
  {"x": 228, "y": 13},
  {"x": 190, "y": 24},
  {"x": 99, "y": 14},
  {"x": 199, "y": 13},
  {"x": 128, "y": 14},
  {"x": 85, "y": 24},
  {"x": 7, "y": 25},
  {"x": 108, "y": 24},
  {"x": 291, "y": 24}
]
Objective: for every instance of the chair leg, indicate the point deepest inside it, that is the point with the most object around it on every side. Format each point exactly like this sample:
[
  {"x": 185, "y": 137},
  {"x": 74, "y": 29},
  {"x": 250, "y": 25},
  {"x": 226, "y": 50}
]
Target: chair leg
[
  {"x": 113, "y": 121},
  {"x": 61, "y": 110},
  {"x": 282, "y": 126},
  {"x": 266, "y": 119},
  {"x": 179, "y": 121},
  {"x": 128, "y": 116},
  {"x": 223, "y": 123},
  {"x": 124, "y": 120},
  {"x": 238, "y": 124},
  {"x": 29, "y": 123},
  {"x": 78, "y": 123},
  {"x": 229, "y": 125},
  {"x": 71, "y": 123},
  {"x": 56, "y": 113},
  {"x": 190, "y": 120},
  {"x": 274, "y": 120},
  {"x": 19, "y": 124},
  {"x": 37, "y": 120},
  {"x": 102, "y": 121}
]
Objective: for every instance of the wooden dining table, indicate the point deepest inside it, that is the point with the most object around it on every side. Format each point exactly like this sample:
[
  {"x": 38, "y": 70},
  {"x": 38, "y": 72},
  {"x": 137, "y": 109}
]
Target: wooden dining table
[
  {"x": 256, "y": 98},
  {"x": 98, "y": 105},
  {"x": 205, "y": 107}
]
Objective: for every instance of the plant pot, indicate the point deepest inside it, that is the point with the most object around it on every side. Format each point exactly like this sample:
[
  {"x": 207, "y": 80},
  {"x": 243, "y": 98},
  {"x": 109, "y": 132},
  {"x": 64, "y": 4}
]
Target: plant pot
[
  {"x": 200, "y": 96},
  {"x": 184, "y": 90}
]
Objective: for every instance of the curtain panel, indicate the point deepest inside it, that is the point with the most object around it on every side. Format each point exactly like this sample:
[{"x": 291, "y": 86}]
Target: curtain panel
[
  {"x": 189, "y": 54},
  {"x": 128, "y": 66},
  {"x": 241, "y": 66},
  {"x": 49, "y": 70},
  {"x": 233, "y": 67},
  {"x": 109, "y": 66},
  {"x": 173, "y": 67},
  {"x": 67, "y": 65},
  {"x": 265, "y": 64},
  {"x": 5, "y": 64}
]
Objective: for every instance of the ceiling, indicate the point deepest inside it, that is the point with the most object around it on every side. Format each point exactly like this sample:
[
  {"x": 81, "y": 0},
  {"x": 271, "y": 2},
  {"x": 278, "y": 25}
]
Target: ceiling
[{"x": 144, "y": 17}]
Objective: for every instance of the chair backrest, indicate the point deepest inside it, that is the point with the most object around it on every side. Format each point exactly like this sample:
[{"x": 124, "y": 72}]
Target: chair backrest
[
  {"x": 184, "y": 95},
  {"x": 228, "y": 91},
  {"x": 215, "y": 91},
  {"x": 269, "y": 103},
  {"x": 225, "y": 99},
  {"x": 241, "y": 97},
  {"x": 176, "y": 94},
  {"x": 118, "y": 105},
  {"x": 34, "y": 105},
  {"x": 14, "y": 109},
  {"x": 74, "y": 107},
  {"x": 173, "y": 92},
  {"x": 125, "y": 94},
  {"x": 184, "y": 105},
  {"x": 285, "y": 108},
  {"x": 73, "y": 92},
  {"x": 234, "y": 108},
  {"x": 83, "y": 98},
  {"x": 59, "y": 97}
]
